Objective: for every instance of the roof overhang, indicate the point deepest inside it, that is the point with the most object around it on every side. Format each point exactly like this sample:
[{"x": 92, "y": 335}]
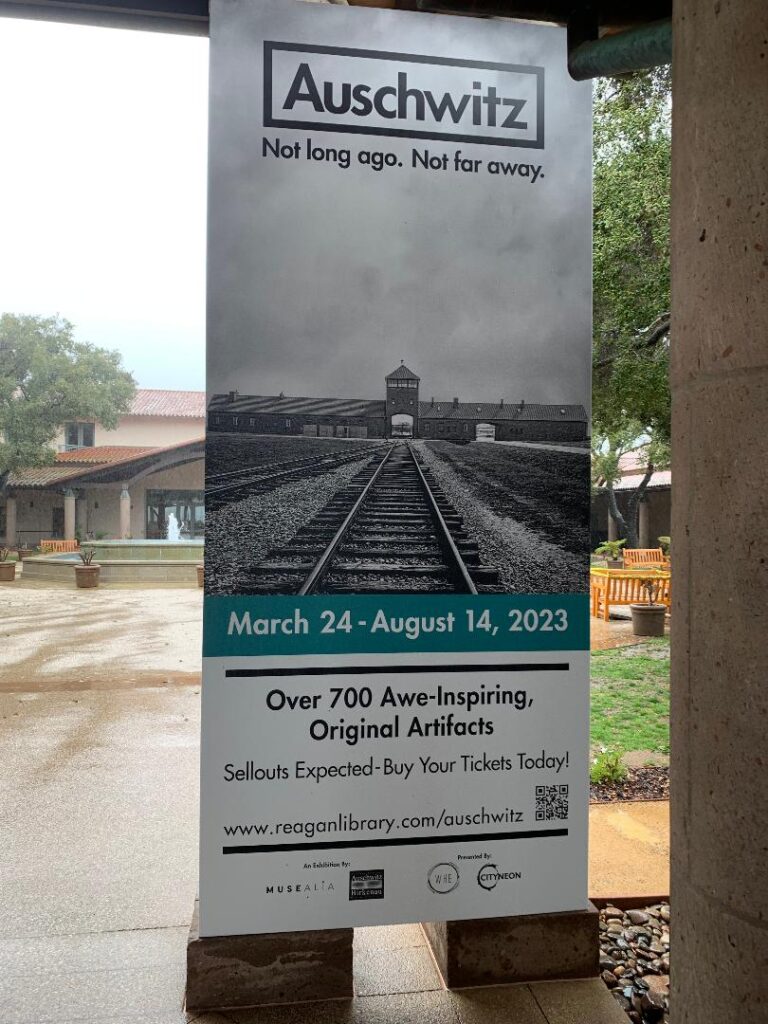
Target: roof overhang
[
  {"x": 126, "y": 472},
  {"x": 191, "y": 16}
]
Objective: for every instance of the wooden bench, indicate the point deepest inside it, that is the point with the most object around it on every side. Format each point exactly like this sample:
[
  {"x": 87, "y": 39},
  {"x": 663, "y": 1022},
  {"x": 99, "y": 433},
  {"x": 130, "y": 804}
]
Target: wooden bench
[
  {"x": 56, "y": 547},
  {"x": 641, "y": 558},
  {"x": 617, "y": 586}
]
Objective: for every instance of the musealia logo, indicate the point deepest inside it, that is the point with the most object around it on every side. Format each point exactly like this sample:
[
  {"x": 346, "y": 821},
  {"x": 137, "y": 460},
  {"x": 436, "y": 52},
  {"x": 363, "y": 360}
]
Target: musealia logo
[
  {"x": 373, "y": 92},
  {"x": 305, "y": 889}
]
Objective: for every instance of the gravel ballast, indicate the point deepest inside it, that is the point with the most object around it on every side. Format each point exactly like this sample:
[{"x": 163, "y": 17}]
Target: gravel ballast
[
  {"x": 527, "y": 562},
  {"x": 241, "y": 534}
]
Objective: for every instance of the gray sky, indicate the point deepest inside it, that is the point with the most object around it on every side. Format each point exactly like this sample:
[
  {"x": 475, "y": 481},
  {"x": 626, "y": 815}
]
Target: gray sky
[
  {"x": 103, "y": 189},
  {"x": 322, "y": 279}
]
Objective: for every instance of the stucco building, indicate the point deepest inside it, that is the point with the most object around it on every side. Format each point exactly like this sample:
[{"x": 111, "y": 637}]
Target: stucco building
[{"x": 114, "y": 483}]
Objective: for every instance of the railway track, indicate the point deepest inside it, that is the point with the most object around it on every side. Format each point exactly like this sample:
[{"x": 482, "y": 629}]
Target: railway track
[
  {"x": 242, "y": 483},
  {"x": 390, "y": 530}
]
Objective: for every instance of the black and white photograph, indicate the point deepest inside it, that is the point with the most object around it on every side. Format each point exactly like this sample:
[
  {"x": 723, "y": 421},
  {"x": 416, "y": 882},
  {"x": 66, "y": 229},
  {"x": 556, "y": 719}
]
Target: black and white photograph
[
  {"x": 400, "y": 494},
  {"x": 398, "y": 381}
]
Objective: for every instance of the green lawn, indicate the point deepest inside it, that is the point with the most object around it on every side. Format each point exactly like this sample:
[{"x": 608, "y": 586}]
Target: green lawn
[{"x": 630, "y": 697}]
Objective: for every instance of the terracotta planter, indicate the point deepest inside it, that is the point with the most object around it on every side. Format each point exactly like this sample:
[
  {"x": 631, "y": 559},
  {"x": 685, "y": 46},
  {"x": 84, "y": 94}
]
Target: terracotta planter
[
  {"x": 87, "y": 576},
  {"x": 7, "y": 572},
  {"x": 200, "y": 575},
  {"x": 24, "y": 553},
  {"x": 648, "y": 619}
]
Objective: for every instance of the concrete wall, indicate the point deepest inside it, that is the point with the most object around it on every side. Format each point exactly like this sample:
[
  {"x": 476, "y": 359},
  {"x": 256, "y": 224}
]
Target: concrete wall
[{"x": 719, "y": 379}]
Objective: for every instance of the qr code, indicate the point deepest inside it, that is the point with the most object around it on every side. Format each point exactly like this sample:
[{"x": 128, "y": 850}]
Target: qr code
[{"x": 551, "y": 803}]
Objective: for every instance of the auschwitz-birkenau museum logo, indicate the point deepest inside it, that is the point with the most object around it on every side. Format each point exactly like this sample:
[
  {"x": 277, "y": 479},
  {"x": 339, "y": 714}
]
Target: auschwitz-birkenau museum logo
[
  {"x": 407, "y": 95},
  {"x": 366, "y": 885}
]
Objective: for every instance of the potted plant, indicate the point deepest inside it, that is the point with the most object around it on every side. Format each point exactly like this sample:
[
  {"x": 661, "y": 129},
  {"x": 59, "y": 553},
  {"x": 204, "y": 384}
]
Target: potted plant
[
  {"x": 87, "y": 573},
  {"x": 611, "y": 551},
  {"x": 200, "y": 574},
  {"x": 22, "y": 553},
  {"x": 665, "y": 543},
  {"x": 648, "y": 618},
  {"x": 7, "y": 567}
]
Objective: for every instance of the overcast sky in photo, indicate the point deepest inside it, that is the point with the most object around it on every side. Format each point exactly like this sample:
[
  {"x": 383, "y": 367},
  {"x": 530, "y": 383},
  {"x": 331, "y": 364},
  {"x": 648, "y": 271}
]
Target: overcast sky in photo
[
  {"x": 323, "y": 279},
  {"x": 103, "y": 190}
]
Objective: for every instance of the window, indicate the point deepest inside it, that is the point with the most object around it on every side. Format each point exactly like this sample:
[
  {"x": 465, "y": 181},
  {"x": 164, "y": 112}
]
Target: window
[{"x": 79, "y": 435}]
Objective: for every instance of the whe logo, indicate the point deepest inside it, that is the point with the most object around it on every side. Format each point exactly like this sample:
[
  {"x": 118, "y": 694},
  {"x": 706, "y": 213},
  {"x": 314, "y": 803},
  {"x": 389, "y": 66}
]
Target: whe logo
[{"x": 373, "y": 92}]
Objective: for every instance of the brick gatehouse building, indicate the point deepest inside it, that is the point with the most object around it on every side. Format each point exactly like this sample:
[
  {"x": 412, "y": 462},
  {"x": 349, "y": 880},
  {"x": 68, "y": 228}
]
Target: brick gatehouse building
[{"x": 401, "y": 413}]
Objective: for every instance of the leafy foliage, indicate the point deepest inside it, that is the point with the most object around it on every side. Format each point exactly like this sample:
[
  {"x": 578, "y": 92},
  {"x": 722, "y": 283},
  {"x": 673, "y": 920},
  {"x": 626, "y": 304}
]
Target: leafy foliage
[
  {"x": 46, "y": 379},
  {"x": 607, "y": 767},
  {"x": 610, "y": 548},
  {"x": 631, "y": 394}
]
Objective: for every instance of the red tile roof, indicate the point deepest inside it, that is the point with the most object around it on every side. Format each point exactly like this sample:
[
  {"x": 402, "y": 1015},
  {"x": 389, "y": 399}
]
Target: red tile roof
[
  {"x": 156, "y": 402},
  {"x": 84, "y": 462},
  {"x": 103, "y": 453}
]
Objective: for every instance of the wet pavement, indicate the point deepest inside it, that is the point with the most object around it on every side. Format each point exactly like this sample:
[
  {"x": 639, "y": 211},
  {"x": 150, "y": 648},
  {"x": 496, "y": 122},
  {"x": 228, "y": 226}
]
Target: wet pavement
[
  {"x": 99, "y": 813},
  {"x": 604, "y": 636},
  {"x": 54, "y": 639}
]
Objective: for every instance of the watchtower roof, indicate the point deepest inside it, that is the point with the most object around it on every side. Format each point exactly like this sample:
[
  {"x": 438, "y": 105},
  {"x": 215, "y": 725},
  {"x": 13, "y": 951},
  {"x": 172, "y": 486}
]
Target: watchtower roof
[{"x": 402, "y": 373}]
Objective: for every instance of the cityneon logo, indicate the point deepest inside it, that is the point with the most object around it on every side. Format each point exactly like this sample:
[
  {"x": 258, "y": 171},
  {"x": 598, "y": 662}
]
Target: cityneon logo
[{"x": 404, "y": 95}]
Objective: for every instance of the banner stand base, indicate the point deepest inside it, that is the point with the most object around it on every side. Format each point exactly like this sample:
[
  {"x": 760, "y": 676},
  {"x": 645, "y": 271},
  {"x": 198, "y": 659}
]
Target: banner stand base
[
  {"x": 229, "y": 971},
  {"x": 506, "y": 950}
]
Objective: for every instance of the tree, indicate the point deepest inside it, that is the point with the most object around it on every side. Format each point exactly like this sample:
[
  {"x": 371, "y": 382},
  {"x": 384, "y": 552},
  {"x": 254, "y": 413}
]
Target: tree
[
  {"x": 46, "y": 379},
  {"x": 631, "y": 278}
]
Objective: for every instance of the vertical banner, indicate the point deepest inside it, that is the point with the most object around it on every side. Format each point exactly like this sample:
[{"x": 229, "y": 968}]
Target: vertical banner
[{"x": 395, "y": 695}]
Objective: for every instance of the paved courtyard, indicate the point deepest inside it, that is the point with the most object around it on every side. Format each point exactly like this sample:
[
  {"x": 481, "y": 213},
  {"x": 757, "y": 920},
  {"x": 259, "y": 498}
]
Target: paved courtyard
[{"x": 98, "y": 805}]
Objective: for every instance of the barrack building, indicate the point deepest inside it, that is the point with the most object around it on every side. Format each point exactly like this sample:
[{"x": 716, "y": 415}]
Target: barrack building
[{"x": 402, "y": 413}]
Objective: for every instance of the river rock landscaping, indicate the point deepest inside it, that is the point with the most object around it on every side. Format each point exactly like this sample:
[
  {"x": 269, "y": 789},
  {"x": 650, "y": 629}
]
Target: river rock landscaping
[{"x": 634, "y": 960}]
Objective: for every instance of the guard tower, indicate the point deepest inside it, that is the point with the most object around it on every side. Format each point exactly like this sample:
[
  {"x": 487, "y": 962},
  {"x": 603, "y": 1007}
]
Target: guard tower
[{"x": 402, "y": 403}]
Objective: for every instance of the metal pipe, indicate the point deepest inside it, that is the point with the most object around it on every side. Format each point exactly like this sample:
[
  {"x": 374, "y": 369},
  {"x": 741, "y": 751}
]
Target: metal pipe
[{"x": 636, "y": 49}]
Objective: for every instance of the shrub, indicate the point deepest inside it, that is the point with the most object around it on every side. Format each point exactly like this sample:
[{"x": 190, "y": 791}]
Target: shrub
[
  {"x": 607, "y": 767},
  {"x": 610, "y": 548}
]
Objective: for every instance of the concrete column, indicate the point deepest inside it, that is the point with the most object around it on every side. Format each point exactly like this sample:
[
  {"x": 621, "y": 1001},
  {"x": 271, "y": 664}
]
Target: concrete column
[
  {"x": 719, "y": 380},
  {"x": 613, "y": 532},
  {"x": 125, "y": 514},
  {"x": 10, "y": 521},
  {"x": 644, "y": 524},
  {"x": 81, "y": 516},
  {"x": 70, "y": 509}
]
